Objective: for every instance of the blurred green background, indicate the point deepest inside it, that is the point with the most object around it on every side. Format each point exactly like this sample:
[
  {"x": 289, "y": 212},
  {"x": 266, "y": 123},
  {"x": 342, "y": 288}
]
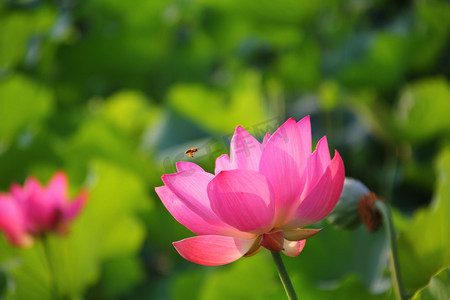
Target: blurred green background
[{"x": 115, "y": 91}]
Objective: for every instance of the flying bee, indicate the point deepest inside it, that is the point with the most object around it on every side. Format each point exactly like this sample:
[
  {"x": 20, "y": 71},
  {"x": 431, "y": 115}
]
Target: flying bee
[{"x": 191, "y": 151}]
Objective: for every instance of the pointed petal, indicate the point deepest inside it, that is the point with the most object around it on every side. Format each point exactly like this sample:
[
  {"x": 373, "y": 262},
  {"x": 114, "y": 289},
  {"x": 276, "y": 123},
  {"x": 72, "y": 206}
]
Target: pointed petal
[
  {"x": 245, "y": 150},
  {"x": 186, "y": 165},
  {"x": 22, "y": 194},
  {"x": 304, "y": 127},
  {"x": 213, "y": 250},
  {"x": 17, "y": 192},
  {"x": 300, "y": 234},
  {"x": 273, "y": 241},
  {"x": 192, "y": 221},
  {"x": 280, "y": 163},
  {"x": 317, "y": 164},
  {"x": 32, "y": 186},
  {"x": 12, "y": 222},
  {"x": 243, "y": 199},
  {"x": 293, "y": 249},
  {"x": 222, "y": 163},
  {"x": 323, "y": 154},
  {"x": 323, "y": 197},
  {"x": 57, "y": 188},
  {"x": 38, "y": 205}
]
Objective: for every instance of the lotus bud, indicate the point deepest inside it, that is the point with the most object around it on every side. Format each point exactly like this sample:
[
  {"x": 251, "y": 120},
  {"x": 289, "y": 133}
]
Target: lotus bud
[{"x": 345, "y": 214}]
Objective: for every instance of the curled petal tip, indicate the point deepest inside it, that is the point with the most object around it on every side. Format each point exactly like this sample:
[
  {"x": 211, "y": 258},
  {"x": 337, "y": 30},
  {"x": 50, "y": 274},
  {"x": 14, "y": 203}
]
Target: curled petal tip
[
  {"x": 292, "y": 248},
  {"x": 300, "y": 234},
  {"x": 168, "y": 178}
]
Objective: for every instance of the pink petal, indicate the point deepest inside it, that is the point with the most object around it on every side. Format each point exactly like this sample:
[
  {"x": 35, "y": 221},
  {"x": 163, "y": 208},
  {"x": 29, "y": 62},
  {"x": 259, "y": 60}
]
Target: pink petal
[
  {"x": 213, "y": 250},
  {"x": 66, "y": 212},
  {"x": 222, "y": 163},
  {"x": 242, "y": 198},
  {"x": 190, "y": 187},
  {"x": 280, "y": 163},
  {"x": 304, "y": 127},
  {"x": 57, "y": 188},
  {"x": 17, "y": 192},
  {"x": 12, "y": 222},
  {"x": 322, "y": 198},
  {"x": 293, "y": 248},
  {"x": 245, "y": 150},
  {"x": 32, "y": 186},
  {"x": 317, "y": 164},
  {"x": 38, "y": 206},
  {"x": 300, "y": 234},
  {"x": 186, "y": 165},
  {"x": 22, "y": 194},
  {"x": 72, "y": 209},
  {"x": 192, "y": 221}
]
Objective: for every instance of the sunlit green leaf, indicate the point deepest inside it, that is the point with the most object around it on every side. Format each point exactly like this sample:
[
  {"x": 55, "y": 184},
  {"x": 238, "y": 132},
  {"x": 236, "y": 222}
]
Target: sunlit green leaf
[
  {"x": 130, "y": 111},
  {"x": 97, "y": 138},
  {"x": 437, "y": 289},
  {"x": 423, "y": 108},
  {"x": 16, "y": 30},
  {"x": 28, "y": 269},
  {"x": 192, "y": 101},
  {"x": 329, "y": 95},
  {"x": 23, "y": 102}
]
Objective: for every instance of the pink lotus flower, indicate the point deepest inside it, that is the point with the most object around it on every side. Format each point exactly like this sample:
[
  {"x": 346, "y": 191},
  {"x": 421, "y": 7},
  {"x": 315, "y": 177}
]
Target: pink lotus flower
[
  {"x": 33, "y": 210},
  {"x": 260, "y": 196}
]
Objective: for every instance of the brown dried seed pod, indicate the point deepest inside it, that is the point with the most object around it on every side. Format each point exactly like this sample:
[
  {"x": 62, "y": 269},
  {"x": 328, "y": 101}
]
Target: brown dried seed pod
[{"x": 368, "y": 212}]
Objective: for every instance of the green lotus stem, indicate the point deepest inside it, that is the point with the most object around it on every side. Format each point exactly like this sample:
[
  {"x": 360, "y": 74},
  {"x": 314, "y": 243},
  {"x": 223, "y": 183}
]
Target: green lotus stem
[
  {"x": 394, "y": 265},
  {"x": 284, "y": 277},
  {"x": 48, "y": 257}
]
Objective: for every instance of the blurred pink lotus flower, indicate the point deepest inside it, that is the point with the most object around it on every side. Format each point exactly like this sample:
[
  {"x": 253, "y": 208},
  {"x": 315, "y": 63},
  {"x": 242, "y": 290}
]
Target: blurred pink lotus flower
[
  {"x": 33, "y": 210},
  {"x": 260, "y": 196}
]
